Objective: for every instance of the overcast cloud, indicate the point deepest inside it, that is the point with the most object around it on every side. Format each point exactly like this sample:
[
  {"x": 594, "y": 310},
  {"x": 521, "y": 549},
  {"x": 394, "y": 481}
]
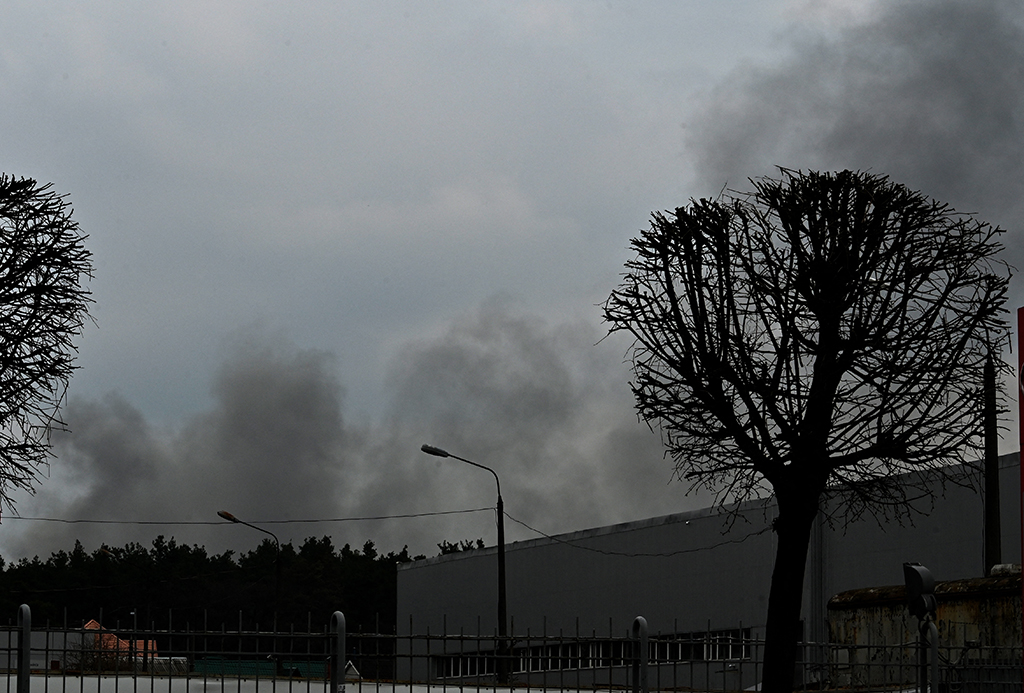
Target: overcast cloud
[{"x": 327, "y": 233}]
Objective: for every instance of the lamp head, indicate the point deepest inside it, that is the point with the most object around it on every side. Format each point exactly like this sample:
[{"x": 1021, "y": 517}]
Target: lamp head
[
  {"x": 920, "y": 590},
  {"x": 228, "y": 516},
  {"x": 436, "y": 452}
]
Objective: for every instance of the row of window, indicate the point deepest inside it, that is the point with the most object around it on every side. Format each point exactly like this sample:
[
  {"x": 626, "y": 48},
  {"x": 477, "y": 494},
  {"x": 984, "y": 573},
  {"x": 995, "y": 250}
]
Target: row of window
[
  {"x": 718, "y": 645},
  {"x": 734, "y": 644}
]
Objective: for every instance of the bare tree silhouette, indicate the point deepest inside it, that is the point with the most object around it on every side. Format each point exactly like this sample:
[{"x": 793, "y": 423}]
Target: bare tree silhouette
[
  {"x": 43, "y": 306},
  {"x": 822, "y": 334}
]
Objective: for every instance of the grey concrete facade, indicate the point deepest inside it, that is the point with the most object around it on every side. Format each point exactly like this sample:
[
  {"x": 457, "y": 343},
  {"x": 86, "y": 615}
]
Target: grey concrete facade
[{"x": 683, "y": 574}]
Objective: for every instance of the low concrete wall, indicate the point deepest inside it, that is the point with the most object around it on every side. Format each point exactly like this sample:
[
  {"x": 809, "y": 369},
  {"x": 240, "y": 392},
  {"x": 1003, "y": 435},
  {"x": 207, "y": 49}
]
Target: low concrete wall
[{"x": 873, "y": 637}]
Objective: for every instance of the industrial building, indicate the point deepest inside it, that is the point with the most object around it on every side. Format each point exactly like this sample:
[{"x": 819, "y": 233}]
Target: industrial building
[{"x": 684, "y": 573}]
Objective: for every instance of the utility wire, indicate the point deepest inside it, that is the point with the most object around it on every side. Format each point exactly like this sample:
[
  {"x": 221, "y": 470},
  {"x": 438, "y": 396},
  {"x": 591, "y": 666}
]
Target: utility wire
[{"x": 261, "y": 522}]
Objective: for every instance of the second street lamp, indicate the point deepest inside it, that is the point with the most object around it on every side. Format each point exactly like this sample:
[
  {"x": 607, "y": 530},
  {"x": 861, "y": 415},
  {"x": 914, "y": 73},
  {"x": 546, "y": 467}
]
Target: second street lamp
[
  {"x": 277, "y": 557},
  {"x": 503, "y": 655}
]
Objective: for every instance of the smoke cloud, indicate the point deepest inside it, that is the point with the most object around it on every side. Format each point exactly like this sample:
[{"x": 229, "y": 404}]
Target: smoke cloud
[
  {"x": 539, "y": 403},
  {"x": 925, "y": 92}
]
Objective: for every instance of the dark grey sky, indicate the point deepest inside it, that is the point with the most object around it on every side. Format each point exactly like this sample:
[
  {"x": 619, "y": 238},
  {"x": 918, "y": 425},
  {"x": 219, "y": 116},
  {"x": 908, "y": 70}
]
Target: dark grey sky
[{"x": 326, "y": 234}]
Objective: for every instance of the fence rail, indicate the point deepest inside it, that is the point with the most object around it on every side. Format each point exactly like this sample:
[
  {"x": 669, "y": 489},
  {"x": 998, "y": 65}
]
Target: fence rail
[{"x": 101, "y": 660}]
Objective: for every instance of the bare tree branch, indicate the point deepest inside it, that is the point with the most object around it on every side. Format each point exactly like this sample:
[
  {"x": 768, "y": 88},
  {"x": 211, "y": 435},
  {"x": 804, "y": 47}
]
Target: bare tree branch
[{"x": 43, "y": 306}]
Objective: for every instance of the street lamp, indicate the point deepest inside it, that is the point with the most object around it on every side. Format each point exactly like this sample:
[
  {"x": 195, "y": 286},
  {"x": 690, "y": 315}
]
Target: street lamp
[
  {"x": 277, "y": 558},
  {"x": 502, "y": 612}
]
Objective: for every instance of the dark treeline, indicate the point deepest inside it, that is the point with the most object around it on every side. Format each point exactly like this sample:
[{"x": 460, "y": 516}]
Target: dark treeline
[{"x": 176, "y": 586}]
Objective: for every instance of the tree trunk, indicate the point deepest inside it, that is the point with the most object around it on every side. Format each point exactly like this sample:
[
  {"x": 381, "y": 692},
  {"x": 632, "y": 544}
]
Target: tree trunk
[{"x": 782, "y": 631}]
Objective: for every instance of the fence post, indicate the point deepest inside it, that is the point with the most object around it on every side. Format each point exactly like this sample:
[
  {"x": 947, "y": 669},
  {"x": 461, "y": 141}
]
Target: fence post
[
  {"x": 24, "y": 647},
  {"x": 921, "y": 602},
  {"x": 929, "y": 641},
  {"x": 640, "y": 660},
  {"x": 337, "y": 656}
]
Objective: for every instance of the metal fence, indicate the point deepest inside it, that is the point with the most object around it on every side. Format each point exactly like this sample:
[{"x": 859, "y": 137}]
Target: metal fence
[
  {"x": 713, "y": 660},
  {"x": 93, "y": 658}
]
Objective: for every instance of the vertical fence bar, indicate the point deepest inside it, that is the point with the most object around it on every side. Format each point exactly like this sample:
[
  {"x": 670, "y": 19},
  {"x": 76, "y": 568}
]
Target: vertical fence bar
[
  {"x": 640, "y": 660},
  {"x": 336, "y": 661},
  {"x": 580, "y": 654},
  {"x": 337, "y": 650},
  {"x": 933, "y": 636},
  {"x": 429, "y": 672},
  {"x": 48, "y": 654},
  {"x": 24, "y": 647},
  {"x": 545, "y": 662},
  {"x": 745, "y": 652}
]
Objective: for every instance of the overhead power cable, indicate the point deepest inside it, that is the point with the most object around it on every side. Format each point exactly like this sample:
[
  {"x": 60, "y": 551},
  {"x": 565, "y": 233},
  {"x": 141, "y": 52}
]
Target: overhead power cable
[{"x": 261, "y": 522}]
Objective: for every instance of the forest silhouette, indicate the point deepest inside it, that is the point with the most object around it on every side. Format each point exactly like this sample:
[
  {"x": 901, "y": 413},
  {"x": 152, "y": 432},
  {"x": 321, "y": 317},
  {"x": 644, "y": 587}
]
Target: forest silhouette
[{"x": 172, "y": 586}]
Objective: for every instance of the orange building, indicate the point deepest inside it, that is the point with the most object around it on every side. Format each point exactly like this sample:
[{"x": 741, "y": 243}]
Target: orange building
[{"x": 105, "y": 641}]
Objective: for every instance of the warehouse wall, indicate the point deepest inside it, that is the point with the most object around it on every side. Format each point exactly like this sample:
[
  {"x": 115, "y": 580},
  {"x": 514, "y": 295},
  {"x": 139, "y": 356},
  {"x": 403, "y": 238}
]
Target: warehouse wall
[{"x": 681, "y": 572}]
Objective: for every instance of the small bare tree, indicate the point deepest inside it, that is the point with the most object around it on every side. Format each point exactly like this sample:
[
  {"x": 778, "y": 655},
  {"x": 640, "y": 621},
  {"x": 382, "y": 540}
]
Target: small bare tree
[
  {"x": 43, "y": 306},
  {"x": 824, "y": 333}
]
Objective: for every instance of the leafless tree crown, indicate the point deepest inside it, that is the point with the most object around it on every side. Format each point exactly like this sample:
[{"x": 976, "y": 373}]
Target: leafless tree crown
[
  {"x": 43, "y": 306},
  {"x": 826, "y": 327}
]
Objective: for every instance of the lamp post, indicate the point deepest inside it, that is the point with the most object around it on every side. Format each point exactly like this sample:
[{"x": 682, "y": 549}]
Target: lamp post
[
  {"x": 503, "y": 662},
  {"x": 277, "y": 557}
]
